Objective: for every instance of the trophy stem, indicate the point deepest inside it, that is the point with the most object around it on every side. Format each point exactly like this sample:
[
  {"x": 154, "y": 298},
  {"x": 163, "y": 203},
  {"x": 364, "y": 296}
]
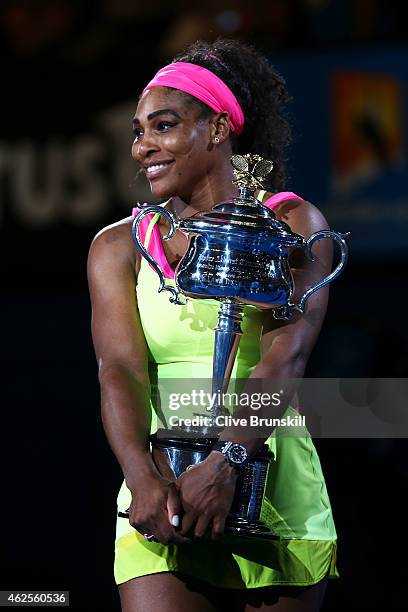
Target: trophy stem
[
  {"x": 227, "y": 336},
  {"x": 248, "y": 195}
]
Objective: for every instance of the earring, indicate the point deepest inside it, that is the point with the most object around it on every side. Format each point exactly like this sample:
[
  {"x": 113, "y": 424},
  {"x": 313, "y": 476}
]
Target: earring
[{"x": 216, "y": 140}]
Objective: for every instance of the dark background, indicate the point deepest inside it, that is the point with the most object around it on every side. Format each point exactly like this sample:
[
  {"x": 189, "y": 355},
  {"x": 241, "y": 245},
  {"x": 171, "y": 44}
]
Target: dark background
[{"x": 71, "y": 73}]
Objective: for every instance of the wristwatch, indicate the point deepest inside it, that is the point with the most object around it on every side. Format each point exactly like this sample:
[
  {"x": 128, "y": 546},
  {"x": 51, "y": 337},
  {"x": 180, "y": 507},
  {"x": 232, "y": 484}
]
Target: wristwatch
[{"x": 236, "y": 454}]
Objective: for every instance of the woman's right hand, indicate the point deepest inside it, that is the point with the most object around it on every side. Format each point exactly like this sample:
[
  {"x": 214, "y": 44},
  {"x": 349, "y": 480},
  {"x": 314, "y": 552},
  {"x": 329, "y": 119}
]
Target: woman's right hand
[{"x": 155, "y": 501}]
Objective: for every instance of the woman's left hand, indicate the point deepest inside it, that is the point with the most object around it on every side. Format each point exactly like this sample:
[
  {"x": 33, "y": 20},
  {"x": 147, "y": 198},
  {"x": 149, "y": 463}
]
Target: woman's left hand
[{"x": 206, "y": 491}]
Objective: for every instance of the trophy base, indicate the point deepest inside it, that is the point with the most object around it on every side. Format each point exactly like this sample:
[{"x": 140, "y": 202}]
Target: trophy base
[
  {"x": 248, "y": 529},
  {"x": 174, "y": 455}
]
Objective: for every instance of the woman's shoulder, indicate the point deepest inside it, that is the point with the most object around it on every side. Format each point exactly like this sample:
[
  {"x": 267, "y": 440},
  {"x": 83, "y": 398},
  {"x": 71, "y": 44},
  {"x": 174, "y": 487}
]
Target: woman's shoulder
[
  {"x": 115, "y": 241},
  {"x": 296, "y": 211},
  {"x": 303, "y": 218},
  {"x": 118, "y": 231},
  {"x": 115, "y": 230}
]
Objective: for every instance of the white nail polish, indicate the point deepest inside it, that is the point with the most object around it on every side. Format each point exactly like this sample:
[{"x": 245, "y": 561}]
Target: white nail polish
[{"x": 175, "y": 521}]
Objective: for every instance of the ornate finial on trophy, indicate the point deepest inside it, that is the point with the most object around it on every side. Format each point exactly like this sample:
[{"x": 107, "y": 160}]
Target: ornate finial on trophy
[{"x": 250, "y": 170}]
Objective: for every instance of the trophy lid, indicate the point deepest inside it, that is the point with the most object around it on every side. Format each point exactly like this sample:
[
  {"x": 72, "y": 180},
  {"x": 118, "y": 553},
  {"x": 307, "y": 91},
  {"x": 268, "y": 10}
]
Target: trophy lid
[{"x": 244, "y": 213}]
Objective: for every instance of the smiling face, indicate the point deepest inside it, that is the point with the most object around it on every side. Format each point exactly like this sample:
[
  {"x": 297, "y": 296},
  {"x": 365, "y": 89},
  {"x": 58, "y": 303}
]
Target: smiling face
[{"x": 172, "y": 143}]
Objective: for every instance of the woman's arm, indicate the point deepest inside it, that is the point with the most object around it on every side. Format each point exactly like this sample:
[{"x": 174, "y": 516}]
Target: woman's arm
[{"x": 121, "y": 353}]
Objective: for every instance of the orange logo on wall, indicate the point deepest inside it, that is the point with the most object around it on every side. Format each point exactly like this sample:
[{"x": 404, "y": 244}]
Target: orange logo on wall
[{"x": 366, "y": 127}]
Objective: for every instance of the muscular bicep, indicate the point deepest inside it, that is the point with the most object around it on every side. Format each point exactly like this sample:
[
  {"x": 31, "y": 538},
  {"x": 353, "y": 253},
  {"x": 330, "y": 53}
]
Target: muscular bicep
[
  {"x": 297, "y": 337},
  {"x": 116, "y": 329}
]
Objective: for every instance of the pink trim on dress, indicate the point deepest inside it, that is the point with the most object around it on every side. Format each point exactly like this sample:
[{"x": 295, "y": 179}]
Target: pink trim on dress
[
  {"x": 155, "y": 246},
  {"x": 280, "y": 197}
]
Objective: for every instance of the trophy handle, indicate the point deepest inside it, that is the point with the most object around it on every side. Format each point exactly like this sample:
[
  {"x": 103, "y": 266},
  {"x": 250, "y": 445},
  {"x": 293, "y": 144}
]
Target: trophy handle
[
  {"x": 285, "y": 312},
  {"x": 158, "y": 210}
]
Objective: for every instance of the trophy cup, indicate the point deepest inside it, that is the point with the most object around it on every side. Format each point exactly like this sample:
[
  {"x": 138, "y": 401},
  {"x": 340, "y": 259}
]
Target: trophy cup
[{"x": 238, "y": 255}]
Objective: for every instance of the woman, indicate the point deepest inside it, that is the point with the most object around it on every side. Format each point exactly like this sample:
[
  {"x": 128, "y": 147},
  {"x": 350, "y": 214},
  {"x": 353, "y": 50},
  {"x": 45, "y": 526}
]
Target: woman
[{"x": 213, "y": 100}]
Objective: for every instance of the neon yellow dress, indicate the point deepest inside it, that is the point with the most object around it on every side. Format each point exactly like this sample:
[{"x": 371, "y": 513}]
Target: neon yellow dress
[{"x": 296, "y": 505}]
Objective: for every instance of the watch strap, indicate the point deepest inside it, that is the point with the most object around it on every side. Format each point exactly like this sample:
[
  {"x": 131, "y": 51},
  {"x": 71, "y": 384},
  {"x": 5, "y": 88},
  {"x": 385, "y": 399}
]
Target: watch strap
[{"x": 223, "y": 446}]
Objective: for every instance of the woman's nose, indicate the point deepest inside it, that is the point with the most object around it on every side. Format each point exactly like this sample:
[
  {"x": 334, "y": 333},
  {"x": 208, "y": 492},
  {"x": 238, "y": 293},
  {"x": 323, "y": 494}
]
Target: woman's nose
[{"x": 143, "y": 147}]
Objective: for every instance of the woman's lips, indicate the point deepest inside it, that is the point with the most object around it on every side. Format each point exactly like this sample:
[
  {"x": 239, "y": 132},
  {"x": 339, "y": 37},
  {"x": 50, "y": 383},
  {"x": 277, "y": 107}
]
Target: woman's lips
[{"x": 158, "y": 170}]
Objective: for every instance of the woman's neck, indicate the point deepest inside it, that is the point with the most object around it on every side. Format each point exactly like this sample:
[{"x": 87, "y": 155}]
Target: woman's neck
[{"x": 215, "y": 188}]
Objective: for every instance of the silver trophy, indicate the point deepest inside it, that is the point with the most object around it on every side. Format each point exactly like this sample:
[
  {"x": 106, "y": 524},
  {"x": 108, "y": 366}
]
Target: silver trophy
[{"x": 237, "y": 254}]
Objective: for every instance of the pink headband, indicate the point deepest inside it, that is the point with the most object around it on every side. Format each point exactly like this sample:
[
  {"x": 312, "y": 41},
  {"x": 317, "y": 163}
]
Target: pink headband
[{"x": 204, "y": 85}]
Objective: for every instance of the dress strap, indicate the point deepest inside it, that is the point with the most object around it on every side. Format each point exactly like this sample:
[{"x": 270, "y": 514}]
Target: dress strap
[
  {"x": 146, "y": 226},
  {"x": 149, "y": 230},
  {"x": 281, "y": 196},
  {"x": 150, "y": 236}
]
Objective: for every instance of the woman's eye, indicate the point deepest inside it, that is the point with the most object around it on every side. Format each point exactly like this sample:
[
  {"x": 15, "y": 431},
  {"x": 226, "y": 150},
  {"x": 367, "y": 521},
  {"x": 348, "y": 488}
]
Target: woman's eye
[
  {"x": 165, "y": 125},
  {"x": 137, "y": 133}
]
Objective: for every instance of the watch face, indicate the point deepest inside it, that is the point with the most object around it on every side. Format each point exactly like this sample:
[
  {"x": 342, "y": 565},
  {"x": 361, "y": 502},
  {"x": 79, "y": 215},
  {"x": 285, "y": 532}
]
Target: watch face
[{"x": 237, "y": 453}]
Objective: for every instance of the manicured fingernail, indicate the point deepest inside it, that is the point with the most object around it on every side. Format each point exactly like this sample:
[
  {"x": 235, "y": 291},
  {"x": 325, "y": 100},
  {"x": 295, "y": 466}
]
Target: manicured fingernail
[{"x": 175, "y": 521}]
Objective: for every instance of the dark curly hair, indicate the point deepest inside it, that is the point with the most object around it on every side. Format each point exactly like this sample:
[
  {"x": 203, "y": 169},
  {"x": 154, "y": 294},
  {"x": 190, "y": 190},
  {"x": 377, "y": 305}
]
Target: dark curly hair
[{"x": 261, "y": 92}]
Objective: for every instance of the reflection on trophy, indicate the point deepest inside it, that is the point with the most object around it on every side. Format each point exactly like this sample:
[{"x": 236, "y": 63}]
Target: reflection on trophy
[{"x": 238, "y": 255}]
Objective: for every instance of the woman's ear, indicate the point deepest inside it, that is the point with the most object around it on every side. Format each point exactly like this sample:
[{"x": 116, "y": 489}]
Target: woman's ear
[{"x": 219, "y": 127}]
